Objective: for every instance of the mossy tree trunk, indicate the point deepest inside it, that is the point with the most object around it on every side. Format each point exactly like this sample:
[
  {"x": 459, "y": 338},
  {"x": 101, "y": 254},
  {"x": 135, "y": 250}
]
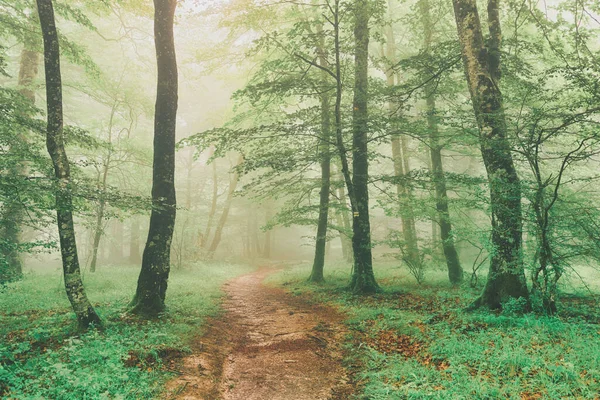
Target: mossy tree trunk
[
  {"x": 151, "y": 290},
  {"x": 86, "y": 315},
  {"x": 506, "y": 277}
]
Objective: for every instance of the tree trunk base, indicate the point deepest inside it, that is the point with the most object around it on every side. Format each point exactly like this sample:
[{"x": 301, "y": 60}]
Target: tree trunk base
[
  {"x": 364, "y": 284},
  {"x": 150, "y": 308}
]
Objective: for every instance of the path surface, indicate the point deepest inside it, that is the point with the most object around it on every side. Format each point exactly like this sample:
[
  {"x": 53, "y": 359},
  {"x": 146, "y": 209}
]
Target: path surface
[{"x": 268, "y": 345}]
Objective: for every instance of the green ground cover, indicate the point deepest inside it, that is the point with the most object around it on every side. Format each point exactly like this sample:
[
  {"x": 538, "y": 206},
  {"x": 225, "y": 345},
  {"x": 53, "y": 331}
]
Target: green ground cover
[
  {"x": 416, "y": 342},
  {"x": 43, "y": 356}
]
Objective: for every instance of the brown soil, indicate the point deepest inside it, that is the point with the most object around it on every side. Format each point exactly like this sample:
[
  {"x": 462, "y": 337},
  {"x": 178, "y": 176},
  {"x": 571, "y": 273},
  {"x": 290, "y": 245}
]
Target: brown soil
[{"x": 268, "y": 345}]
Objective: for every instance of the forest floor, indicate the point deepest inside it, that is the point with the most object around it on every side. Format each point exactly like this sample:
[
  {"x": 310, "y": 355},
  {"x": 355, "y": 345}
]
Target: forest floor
[
  {"x": 44, "y": 356},
  {"x": 268, "y": 344},
  {"x": 415, "y": 341}
]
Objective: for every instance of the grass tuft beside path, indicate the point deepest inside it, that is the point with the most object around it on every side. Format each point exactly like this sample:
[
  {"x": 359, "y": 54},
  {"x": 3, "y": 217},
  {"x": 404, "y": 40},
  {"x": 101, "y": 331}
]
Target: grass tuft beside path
[
  {"x": 43, "y": 356},
  {"x": 415, "y": 342}
]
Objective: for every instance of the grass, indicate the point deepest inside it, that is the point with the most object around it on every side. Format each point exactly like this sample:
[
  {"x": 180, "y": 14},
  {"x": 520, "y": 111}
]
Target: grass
[
  {"x": 43, "y": 356},
  {"x": 415, "y": 342}
]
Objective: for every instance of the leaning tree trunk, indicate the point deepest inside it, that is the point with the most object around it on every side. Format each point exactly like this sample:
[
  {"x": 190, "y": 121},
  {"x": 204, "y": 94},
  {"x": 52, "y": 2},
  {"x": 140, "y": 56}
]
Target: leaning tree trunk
[
  {"x": 455, "y": 271},
  {"x": 152, "y": 283},
  {"x": 343, "y": 220},
  {"x": 506, "y": 277},
  {"x": 12, "y": 217},
  {"x": 363, "y": 278},
  {"x": 321, "y": 240},
  {"x": 86, "y": 315}
]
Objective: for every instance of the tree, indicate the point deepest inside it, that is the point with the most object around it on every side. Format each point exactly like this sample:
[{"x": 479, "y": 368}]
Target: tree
[
  {"x": 506, "y": 277},
  {"x": 86, "y": 315},
  {"x": 13, "y": 211},
  {"x": 324, "y": 152},
  {"x": 410, "y": 248},
  {"x": 455, "y": 271},
  {"x": 152, "y": 283},
  {"x": 363, "y": 278}
]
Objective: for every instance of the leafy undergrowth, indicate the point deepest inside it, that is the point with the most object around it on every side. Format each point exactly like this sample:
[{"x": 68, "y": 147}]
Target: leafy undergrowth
[
  {"x": 416, "y": 342},
  {"x": 43, "y": 356}
]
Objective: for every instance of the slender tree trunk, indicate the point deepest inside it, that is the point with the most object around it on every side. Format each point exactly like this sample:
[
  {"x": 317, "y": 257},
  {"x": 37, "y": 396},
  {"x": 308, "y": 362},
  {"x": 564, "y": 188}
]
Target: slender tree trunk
[
  {"x": 134, "y": 241},
  {"x": 97, "y": 234},
  {"x": 324, "y": 152},
  {"x": 152, "y": 283},
  {"x": 506, "y": 277},
  {"x": 86, "y": 315},
  {"x": 225, "y": 214},
  {"x": 363, "y": 278},
  {"x": 401, "y": 166},
  {"x": 455, "y": 271},
  {"x": 268, "y": 238},
  {"x": 13, "y": 215},
  {"x": 102, "y": 186},
  {"x": 213, "y": 206}
]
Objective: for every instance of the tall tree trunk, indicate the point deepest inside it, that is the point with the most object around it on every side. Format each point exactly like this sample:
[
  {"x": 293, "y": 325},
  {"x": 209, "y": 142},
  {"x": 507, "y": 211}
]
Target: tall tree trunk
[
  {"x": 225, "y": 214},
  {"x": 12, "y": 217},
  {"x": 455, "y": 271},
  {"x": 152, "y": 283},
  {"x": 86, "y": 315},
  {"x": 324, "y": 153},
  {"x": 363, "y": 278},
  {"x": 506, "y": 277},
  {"x": 134, "y": 241},
  {"x": 401, "y": 165}
]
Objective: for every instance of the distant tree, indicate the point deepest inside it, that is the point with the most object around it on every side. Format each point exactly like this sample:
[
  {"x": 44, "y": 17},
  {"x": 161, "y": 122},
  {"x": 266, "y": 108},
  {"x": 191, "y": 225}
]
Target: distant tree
[
  {"x": 151, "y": 290},
  {"x": 13, "y": 213},
  {"x": 86, "y": 315}
]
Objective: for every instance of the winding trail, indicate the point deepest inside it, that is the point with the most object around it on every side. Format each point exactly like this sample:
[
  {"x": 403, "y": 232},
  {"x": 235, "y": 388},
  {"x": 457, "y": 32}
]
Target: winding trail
[{"x": 267, "y": 345}]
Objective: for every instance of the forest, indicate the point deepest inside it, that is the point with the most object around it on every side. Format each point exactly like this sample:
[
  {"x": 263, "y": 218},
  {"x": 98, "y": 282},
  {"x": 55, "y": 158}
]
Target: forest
[{"x": 299, "y": 199}]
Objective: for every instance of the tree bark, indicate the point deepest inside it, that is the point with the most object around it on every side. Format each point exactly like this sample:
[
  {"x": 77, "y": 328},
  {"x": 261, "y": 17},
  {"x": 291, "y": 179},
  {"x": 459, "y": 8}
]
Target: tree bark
[
  {"x": 86, "y": 315},
  {"x": 363, "y": 278},
  {"x": 149, "y": 299},
  {"x": 455, "y": 271},
  {"x": 506, "y": 277}
]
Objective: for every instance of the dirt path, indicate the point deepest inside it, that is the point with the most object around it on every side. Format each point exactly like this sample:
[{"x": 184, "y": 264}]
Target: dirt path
[{"x": 268, "y": 345}]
